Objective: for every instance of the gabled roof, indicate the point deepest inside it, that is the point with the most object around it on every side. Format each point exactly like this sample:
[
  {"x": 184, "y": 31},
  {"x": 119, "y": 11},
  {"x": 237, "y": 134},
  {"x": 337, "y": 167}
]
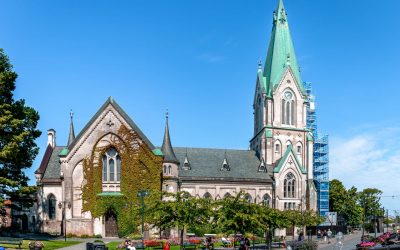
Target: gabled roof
[
  {"x": 281, "y": 54},
  {"x": 45, "y": 160},
  {"x": 207, "y": 163},
  {"x": 111, "y": 101},
  {"x": 285, "y": 157},
  {"x": 53, "y": 168}
]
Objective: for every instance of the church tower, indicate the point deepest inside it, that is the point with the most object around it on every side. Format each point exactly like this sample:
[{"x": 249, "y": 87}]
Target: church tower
[{"x": 281, "y": 138}]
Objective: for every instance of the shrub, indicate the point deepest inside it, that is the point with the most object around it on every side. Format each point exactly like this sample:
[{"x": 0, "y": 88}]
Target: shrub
[
  {"x": 98, "y": 236},
  {"x": 303, "y": 245}
]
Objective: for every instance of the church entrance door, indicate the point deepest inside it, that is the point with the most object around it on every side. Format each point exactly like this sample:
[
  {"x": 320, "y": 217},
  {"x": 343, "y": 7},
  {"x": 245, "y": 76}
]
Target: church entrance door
[{"x": 111, "y": 224}]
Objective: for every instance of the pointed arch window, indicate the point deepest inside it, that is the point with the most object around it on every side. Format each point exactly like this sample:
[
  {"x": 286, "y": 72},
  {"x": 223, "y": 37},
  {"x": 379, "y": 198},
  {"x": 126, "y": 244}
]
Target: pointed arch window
[
  {"x": 207, "y": 195},
  {"x": 277, "y": 146},
  {"x": 227, "y": 195},
  {"x": 111, "y": 166},
  {"x": 266, "y": 200},
  {"x": 289, "y": 185},
  {"x": 288, "y": 109},
  {"x": 248, "y": 198},
  {"x": 52, "y": 206}
]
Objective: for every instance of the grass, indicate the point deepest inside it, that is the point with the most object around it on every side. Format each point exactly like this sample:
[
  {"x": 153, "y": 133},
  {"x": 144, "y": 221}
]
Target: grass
[
  {"x": 113, "y": 244},
  {"x": 48, "y": 244}
]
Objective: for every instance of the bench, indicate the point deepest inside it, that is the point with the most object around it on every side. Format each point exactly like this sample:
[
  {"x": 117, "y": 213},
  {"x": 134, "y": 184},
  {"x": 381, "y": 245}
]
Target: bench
[
  {"x": 278, "y": 244},
  {"x": 11, "y": 241}
]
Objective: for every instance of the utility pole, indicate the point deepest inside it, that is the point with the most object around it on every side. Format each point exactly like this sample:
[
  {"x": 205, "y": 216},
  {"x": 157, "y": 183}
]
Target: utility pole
[{"x": 141, "y": 194}]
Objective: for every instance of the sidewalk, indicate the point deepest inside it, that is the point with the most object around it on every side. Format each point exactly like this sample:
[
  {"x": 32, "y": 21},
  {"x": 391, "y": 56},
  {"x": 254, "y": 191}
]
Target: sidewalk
[{"x": 349, "y": 242}]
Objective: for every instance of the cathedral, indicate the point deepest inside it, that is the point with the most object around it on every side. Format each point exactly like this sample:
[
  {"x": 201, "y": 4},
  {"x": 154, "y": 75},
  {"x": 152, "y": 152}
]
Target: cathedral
[{"x": 276, "y": 170}]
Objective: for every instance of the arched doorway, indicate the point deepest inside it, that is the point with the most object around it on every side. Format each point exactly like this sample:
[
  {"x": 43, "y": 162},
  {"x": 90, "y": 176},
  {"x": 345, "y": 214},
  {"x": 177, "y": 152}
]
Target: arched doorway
[
  {"x": 111, "y": 224},
  {"x": 24, "y": 219}
]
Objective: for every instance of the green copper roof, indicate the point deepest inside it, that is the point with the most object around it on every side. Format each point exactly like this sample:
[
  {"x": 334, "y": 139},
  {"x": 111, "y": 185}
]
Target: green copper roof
[
  {"x": 64, "y": 152},
  {"x": 285, "y": 156},
  {"x": 280, "y": 55},
  {"x": 309, "y": 137},
  {"x": 157, "y": 152},
  {"x": 268, "y": 133},
  {"x": 110, "y": 194}
]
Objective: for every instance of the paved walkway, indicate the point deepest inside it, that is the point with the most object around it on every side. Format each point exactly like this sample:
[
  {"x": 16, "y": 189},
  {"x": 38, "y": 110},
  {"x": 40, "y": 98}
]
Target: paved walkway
[{"x": 82, "y": 246}]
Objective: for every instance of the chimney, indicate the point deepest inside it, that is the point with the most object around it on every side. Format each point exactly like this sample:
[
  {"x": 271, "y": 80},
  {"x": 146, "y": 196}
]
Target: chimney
[{"x": 51, "y": 137}]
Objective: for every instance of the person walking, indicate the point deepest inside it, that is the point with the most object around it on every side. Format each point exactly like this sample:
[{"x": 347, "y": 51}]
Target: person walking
[
  {"x": 324, "y": 235},
  {"x": 329, "y": 233}
]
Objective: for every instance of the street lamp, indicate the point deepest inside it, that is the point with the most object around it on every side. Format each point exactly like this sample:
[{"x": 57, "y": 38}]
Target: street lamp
[
  {"x": 141, "y": 194},
  {"x": 62, "y": 205}
]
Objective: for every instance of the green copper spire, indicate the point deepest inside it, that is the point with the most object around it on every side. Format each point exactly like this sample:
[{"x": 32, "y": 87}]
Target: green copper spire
[{"x": 281, "y": 53}]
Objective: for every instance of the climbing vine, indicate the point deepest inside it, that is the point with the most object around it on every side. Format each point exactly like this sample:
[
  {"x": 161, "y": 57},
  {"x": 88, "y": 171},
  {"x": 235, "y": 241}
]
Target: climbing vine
[{"x": 140, "y": 169}]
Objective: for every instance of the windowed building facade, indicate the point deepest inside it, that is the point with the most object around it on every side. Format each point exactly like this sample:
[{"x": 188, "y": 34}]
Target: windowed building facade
[{"x": 276, "y": 171}]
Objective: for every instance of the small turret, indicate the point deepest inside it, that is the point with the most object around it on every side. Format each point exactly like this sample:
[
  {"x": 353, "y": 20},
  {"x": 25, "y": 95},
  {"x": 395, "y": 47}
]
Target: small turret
[
  {"x": 169, "y": 155},
  {"x": 71, "y": 137}
]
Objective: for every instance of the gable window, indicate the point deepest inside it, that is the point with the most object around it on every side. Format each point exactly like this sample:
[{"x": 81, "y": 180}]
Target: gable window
[
  {"x": 288, "y": 109},
  {"x": 289, "y": 185},
  {"x": 52, "y": 206},
  {"x": 111, "y": 166}
]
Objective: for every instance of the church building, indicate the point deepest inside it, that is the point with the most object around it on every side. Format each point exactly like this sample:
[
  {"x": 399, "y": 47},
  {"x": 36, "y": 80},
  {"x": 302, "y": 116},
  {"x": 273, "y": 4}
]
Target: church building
[{"x": 78, "y": 179}]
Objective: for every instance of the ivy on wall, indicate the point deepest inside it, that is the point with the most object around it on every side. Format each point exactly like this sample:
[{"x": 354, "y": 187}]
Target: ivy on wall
[{"x": 140, "y": 169}]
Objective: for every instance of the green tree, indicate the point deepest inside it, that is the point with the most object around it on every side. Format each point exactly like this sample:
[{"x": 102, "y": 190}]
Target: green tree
[
  {"x": 369, "y": 200},
  {"x": 17, "y": 137},
  {"x": 179, "y": 211},
  {"x": 271, "y": 219},
  {"x": 294, "y": 218},
  {"x": 345, "y": 202},
  {"x": 237, "y": 215}
]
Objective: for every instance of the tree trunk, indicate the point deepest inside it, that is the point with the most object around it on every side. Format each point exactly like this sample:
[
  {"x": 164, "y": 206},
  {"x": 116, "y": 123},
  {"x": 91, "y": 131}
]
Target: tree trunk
[
  {"x": 234, "y": 239},
  {"x": 183, "y": 228},
  {"x": 293, "y": 232},
  {"x": 266, "y": 238}
]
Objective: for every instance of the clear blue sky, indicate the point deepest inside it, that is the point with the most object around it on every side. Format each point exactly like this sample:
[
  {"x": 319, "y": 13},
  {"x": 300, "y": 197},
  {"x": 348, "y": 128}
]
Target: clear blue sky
[{"x": 199, "y": 60}]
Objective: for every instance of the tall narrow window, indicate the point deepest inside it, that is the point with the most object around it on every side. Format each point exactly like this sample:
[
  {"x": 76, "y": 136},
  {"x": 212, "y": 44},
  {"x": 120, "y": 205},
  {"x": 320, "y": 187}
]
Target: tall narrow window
[
  {"x": 289, "y": 186},
  {"x": 111, "y": 166},
  {"x": 266, "y": 200},
  {"x": 52, "y": 206},
  {"x": 288, "y": 108},
  {"x": 118, "y": 168},
  {"x": 248, "y": 198}
]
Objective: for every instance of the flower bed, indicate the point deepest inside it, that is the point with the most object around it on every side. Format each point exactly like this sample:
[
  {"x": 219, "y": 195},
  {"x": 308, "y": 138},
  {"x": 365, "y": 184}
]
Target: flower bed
[{"x": 152, "y": 243}]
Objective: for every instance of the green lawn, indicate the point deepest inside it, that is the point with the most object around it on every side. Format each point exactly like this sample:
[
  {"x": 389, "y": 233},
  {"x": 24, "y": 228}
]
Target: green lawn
[
  {"x": 48, "y": 245},
  {"x": 113, "y": 245}
]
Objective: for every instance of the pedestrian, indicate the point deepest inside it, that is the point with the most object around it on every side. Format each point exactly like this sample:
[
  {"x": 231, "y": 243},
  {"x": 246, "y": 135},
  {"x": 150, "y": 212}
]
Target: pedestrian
[
  {"x": 242, "y": 243},
  {"x": 324, "y": 235},
  {"x": 301, "y": 236},
  {"x": 319, "y": 234},
  {"x": 247, "y": 243},
  {"x": 166, "y": 246},
  {"x": 329, "y": 233}
]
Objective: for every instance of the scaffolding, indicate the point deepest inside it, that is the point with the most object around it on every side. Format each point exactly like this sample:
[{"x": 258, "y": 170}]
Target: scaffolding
[{"x": 321, "y": 154}]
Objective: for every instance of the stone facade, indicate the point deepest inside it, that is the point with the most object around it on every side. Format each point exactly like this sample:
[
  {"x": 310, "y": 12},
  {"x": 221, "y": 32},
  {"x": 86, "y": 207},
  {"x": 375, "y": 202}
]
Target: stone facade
[{"x": 277, "y": 169}]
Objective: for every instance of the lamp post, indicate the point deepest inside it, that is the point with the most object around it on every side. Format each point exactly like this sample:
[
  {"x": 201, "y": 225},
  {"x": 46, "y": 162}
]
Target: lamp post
[
  {"x": 141, "y": 194},
  {"x": 62, "y": 205}
]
